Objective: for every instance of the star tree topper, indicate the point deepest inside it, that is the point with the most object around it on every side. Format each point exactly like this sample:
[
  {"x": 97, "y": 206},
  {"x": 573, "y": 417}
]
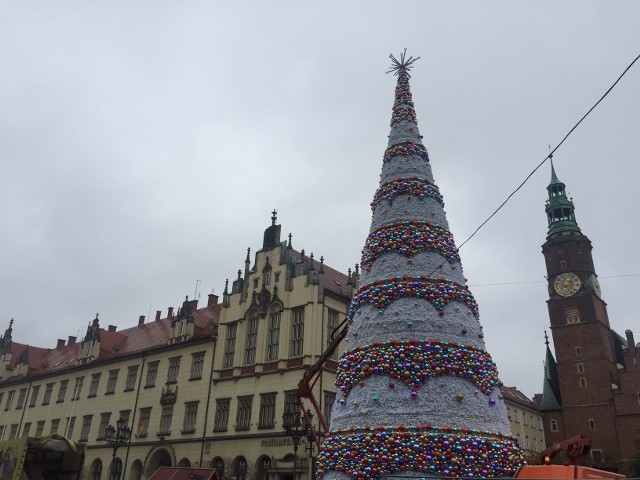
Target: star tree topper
[{"x": 403, "y": 65}]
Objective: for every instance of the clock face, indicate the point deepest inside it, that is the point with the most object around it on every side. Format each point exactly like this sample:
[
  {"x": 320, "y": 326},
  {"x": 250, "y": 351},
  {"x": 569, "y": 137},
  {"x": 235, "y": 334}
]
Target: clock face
[
  {"x": 595, "y": 285},
  {"x": 566, "y": 284}
]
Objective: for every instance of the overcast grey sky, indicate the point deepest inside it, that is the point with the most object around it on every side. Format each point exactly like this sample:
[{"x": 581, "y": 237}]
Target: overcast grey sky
[{"x": 144, "y": 144}]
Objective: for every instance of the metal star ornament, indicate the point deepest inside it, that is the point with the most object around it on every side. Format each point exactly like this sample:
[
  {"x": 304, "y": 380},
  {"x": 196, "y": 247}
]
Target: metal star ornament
[{"x": 403, "y": 65}]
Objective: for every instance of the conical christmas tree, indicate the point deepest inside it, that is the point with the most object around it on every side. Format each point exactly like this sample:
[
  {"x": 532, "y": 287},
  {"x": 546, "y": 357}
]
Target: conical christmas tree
[{"x": 417, "y": 392}]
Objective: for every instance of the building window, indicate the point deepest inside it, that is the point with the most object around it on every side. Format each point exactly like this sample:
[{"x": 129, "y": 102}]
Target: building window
[
  {"x": 132, "y": 375},
  {"x": 230, "y": 345},
  {"x": 39, "y": 428},
  {"x": 524, "y": 419},
  {"x": 7, "y": 405},
  {"x": 47, "y": 394},
  {"x": 273, "y": 336},
  {"x": 174, "y": 368},
  {"x": 329, "y": 400},
  {"x": 26, "y": 429},
  {"x": 332, "y": 324},
  {"x": 596, "y": 456},
  {"x": 252, "y": 340},
  {"x": 578, "y": 351},
  {"x": 243, "y": 417},
  {"x": 190, "y": 414},
  {"x": 1, "y": 432},
  {"x": 583, "y": 382},
  {"x": 152, "y": 373},
  {"x": 276, "y": 277},
  {"x": 86, "y": 427},
  {"x": 592, "y": 424},
  {"x": 291, "y": 403},
  {"x": 165, "y": 420},
  {"x": 93, "y": 387},
  {"x": 267, "y": 410},
  {"x": 297, "y": 332},
  {"x": 68, "y": 431},
  {"x": 124, "y": 415},
  {"x": 222, "y": 415},
  {"x": 55, "y": 426},
  {"x": 13, "y": 433},
  {"x": 580, "y": 367},
  {"x": 638, "y": 395},
  {"x": 77, "y": 388},
  {"x": 62, "y": 392},
  {"x": 21, "y": 398},
  {"x": 572, "y": 315},
  {"x": 563, "y": 264},
  {"x": 266, "y": 277},
  {"x": 111, "y": 383},
  {"x": 554, "y": 425},
  {"x": 197, "y": 364},
  {"x": 105, "y": 418},
  {"x": 255, "y": 283},
  {"x": 143, "y": 423}
]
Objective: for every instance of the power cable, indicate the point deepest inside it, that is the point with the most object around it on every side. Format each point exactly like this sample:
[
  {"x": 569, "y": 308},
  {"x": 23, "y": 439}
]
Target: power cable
[{"x": 548, "y": 156}]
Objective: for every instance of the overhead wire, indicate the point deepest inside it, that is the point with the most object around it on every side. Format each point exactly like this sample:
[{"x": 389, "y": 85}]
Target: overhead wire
[{"x": 550, "y": 155}]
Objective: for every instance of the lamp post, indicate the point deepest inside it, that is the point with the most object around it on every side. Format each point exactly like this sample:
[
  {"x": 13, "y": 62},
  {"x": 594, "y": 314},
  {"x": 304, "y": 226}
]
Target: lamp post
[
  {"x": 296, "y": 430},
  {"x": 117, "y": 436}
]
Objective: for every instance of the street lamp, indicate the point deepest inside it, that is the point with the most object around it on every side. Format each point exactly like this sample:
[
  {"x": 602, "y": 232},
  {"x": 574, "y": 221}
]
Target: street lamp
[
  {"x": 117, "y": 436},
  {"x": 296, "y": 430}
]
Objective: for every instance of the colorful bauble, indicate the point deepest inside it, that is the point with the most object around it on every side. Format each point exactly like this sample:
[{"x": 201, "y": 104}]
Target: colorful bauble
[
  {"x": 403, "y": 104},
  {"x": 403, "y": 149},
  {"x": 376, "y": 452},
  {"x": 414, "y": 362},
  {"x": 417, "y": 187},
  {"x": 437, "y": 291},
  {"x": 410, "y": 238}
]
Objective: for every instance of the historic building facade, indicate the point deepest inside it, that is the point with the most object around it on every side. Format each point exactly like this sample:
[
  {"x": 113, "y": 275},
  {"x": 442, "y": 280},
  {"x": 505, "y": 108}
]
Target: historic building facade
[
  {"x": 526, "y": 422},
  {"x": 592, "y": 385},
  {"x": 200, "y": 387}
]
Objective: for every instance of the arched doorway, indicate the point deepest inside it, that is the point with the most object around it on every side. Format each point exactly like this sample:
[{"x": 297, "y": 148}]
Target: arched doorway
[
  {"x": 218, "y": 464},
  {"x": 135, "y": 472},
  {"x": 240, "y": 468},
  {"x": 160, "y": 457},
  {"x": 263, "y": 464},
  {"x": 95, "y": 471},
  {"x": 184, "y": 462},
  {"x": 116, "y": 469}
]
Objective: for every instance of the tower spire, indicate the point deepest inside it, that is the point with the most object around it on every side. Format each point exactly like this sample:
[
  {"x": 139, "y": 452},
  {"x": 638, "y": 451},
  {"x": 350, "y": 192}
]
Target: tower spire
[
  {"x": 560, "y": 209},
  {"x": 417, "y": 386}
]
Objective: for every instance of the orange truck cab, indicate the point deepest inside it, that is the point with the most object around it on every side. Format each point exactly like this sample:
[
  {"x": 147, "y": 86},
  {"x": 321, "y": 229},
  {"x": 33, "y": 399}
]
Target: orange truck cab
[{"x": 563, "y": 472}]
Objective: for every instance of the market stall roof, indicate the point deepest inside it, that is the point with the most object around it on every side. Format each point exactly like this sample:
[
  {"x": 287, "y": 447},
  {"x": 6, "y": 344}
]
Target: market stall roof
[{"x": 184, "y": 473}]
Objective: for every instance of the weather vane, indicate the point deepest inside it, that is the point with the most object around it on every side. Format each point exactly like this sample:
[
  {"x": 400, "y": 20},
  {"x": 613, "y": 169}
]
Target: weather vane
[{"x": 403, "y": 65}]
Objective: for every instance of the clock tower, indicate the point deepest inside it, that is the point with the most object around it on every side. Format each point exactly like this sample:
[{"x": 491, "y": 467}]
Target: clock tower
[{"x": 582, "y": 380}]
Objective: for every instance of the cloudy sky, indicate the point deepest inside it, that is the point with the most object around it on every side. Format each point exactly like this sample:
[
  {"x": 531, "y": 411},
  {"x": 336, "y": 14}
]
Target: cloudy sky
[{"x": 143, "y": 146}]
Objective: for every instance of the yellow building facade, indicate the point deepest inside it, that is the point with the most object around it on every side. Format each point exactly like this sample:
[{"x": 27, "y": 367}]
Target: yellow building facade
[{"x": 204, "y": 386}]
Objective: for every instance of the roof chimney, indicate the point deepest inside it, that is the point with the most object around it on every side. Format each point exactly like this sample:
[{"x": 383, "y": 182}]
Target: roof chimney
[
  {"x": 141, "y": 320},
  {"x": 170, "y": 313},
  {"x": 72, "y": 340},
  {"x": 112, "y": 328},
  {"x": 60, "y": 343},
  {"x": 158, "y": 313},
  {"x": 213, "y": 300},
  {"x": 631, "y": 343}
]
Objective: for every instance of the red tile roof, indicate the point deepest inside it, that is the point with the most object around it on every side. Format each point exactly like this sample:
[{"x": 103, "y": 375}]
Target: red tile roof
[
  {"x": 516, "y": 396},
  {"x": 114, "y": 344}
]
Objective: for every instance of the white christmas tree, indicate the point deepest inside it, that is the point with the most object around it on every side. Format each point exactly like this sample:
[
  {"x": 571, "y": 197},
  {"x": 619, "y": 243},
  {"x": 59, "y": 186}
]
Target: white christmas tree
[{"x": 418, "y": 394}]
